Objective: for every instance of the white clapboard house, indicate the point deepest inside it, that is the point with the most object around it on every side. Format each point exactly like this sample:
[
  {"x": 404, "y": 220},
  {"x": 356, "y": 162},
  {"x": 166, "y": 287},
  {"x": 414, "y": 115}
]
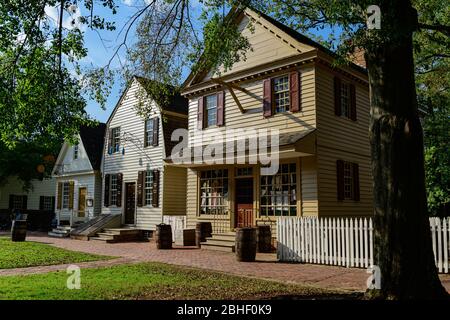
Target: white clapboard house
[
  {"x": 137, "y": 184},
  {"x": 78, "y": 177}
]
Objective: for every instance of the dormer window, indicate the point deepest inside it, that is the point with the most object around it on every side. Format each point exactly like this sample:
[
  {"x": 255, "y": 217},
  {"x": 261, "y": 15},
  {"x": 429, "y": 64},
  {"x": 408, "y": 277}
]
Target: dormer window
[
  {"x": 75, "y": 152},
  {"x": 281, "y": 94}
]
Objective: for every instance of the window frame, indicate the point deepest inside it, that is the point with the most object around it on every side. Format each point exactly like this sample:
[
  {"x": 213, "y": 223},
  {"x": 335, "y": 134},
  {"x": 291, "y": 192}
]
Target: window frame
[
  {"x": 115, "y": 139},
  {"x": 286, "y": 92},
  {"x": 272, "y": 189},
  {"x": 47, "y": 203},
  {"x": 348, "y": 181},
  {"x": 148, "y": 134},
  {"x": 345, "y": 102},
  {"x": 214, "y": 199},
  {"x": 113, "y": 191},
  {"x": 76, "y": 151},
  {"x": 207, "y": 111},
  {"x": 65, "y": 198},
  {"x": 148, "y": 188}
]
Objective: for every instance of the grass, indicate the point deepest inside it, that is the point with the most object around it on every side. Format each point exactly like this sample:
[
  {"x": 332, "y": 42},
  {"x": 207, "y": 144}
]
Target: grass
[
  {"x": 30, "y": 254},
  {"x": 154, "y": 281}
]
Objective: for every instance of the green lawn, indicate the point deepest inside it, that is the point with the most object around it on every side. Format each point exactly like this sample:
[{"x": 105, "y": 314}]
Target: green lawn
[
  {"x": 29, "y": 254},
  {"x": 153, "y": 281}
]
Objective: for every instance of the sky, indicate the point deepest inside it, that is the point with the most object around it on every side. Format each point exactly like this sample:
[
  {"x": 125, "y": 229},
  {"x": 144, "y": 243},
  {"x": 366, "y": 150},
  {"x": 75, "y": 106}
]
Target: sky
[{"x": 101, "y": 46}]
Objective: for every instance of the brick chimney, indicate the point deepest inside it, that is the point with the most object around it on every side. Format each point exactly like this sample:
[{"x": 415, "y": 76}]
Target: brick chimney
[{"x": 357, "y": 57}]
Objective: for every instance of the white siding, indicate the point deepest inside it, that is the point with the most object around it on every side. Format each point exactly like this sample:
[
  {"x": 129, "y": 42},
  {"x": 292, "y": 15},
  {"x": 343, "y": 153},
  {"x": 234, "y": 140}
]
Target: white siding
[
  {"x": 136, "y": 157},
  {"x": 39, "y": 188},
  {"x": 80, "y": 181},
  {"x": 66, "y": 158}
]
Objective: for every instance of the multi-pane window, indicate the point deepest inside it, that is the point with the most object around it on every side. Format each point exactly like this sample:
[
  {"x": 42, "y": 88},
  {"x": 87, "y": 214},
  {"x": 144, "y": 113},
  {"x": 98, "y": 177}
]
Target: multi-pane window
[
  {"x": 18, "y": 202},
  {"x": 149, "y": 132},
  {"x": 279, "y": 192},
  {"x": 148, "y": 188},
  {"x": 281, "y": 93},
  {"x": 65, "y": 195},
  {"x": 345, "y": 100},
  {"x": 214, "y": 191},
  {"x": 211, "y": 110},
  {"x": 75, "y": 152},
  {"x": 47, "y": 203},
  {"x": 348, "y": 181},
  {"x": 113, "y": 190},
  {"x": 115, "y": 139}
]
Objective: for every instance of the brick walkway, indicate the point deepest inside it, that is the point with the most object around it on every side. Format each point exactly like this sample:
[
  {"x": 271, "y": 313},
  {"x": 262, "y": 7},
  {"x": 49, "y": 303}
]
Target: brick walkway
[{"x": 265, "y": 267}]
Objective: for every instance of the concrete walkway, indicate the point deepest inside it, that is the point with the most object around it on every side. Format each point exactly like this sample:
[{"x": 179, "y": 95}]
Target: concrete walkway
[{"x": 265, "y": 267}]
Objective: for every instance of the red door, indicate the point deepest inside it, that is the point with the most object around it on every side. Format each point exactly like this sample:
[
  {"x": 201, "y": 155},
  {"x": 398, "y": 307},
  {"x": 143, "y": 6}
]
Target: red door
[{"x": 244, "y": 203}]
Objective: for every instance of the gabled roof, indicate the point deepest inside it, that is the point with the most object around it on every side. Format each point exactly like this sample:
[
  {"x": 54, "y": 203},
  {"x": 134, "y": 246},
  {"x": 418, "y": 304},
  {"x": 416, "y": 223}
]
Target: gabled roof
[
  {"x": 93, "y": 139},
  {"x": 177, "y": 103},
  {"x": 297, "y": 36}
]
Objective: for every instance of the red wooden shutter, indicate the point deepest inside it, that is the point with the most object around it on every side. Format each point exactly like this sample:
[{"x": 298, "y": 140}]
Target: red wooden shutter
[
  {"x": 140, "y": 189},
  {"x": 145, "y": 134},
  {"x": 200, "y": 114},
  {"x": 59, "y": 205},
  {"x": 356, "y": 196},
  {"x": 337, "y": 96},
  {"x": 267, "y": 98},
  {"x": 294, "y": 91},
  {"x": 155, "y": 194},
  {"x": 106, "y": 191},
  {"x": 340, "y": 179},
  {"x": 220, "y": 108},
  {"x": 155, "y": 132},
  {"x": 352, "y": 102},
  {"x": 119, "y": 189}
]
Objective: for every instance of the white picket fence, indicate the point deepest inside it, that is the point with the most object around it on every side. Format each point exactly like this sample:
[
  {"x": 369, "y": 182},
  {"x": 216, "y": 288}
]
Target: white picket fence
[{"x": 345, "y": 241}]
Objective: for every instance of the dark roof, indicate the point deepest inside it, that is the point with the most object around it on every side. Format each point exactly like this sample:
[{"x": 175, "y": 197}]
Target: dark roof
[
  {"x": 93, "y": 139},
  {"x": 176, "y": 102}
]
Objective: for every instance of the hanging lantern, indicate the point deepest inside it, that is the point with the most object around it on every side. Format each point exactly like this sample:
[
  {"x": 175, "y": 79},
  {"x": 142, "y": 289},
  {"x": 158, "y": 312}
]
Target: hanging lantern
[{"x": 40, "y": 168}]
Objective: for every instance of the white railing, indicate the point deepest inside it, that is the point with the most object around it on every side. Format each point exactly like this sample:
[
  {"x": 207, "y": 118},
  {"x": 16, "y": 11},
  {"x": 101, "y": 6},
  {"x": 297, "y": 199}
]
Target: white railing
[{"x": 345, "y": 241}]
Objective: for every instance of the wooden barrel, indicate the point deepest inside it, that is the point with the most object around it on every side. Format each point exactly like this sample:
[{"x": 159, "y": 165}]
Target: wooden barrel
[
  {"x": 163, "y": 236},
  {"x": 18, "y": 230},
  {"x": 246, "y": 244},
  {"x": 264, "y": 239},
  {"x": 203, "y": 230}
]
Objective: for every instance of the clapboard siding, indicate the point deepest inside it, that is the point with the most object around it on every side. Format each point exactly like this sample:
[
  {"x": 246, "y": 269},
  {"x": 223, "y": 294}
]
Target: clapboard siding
[
  {"x": 309, "y": 206},
  {"x": 265, "y": 45},
  {"x": 341, "y": 139},
  {"x": 80, "y": 181},
  {"x": 191, "y": 198},
  {"x": 135, "y": 158},
  {"x": 253, "y": 118},
  {"x": 67, "y": 161},
  {"x": 39, "y": 188},
  {"x": 174, "y": 198}
]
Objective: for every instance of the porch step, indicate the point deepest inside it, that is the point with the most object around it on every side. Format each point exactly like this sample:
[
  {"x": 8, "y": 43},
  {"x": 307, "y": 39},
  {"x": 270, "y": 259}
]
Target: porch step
[
  {"x": 220, "y": 242},
  {"x": 60, "y": 232},
  {"x": 92, "y": 227},
  {"x": 115, "y": 235}
]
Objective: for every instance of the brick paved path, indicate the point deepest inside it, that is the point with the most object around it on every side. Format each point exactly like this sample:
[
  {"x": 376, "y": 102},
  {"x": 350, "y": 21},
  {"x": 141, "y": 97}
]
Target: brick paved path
[{"x": 265, "y": 267}]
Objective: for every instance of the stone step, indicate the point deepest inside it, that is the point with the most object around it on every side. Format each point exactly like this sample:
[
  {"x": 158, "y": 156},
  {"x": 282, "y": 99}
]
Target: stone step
[
  {"x": 222, "y": 237},
  {"x": 64, "y": 228},
  {"x": 61, "y": 231},
  {"x": 102, "y": 239},
  {"x": 218, "y": 242},
  {"x": 121, "y": 231}
]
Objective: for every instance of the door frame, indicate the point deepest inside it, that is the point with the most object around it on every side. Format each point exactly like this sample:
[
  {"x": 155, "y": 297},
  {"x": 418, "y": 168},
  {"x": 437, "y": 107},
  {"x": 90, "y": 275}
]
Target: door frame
[
  {"x": 126, "y": 184},
  {"x": 85, "y": 199},
  {"x": 235, "y": 218}
]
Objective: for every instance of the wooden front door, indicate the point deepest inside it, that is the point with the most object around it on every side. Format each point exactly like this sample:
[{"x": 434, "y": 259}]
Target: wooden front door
[
  {"x": 244, "y": 203},
  {"x": 130, "y": 202},
  {"x": 82, "y": 202}
]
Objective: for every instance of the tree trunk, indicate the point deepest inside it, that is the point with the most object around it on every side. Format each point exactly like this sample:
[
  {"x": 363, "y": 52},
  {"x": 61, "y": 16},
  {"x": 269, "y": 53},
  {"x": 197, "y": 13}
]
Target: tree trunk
[{"x": 402, "y": 237}]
